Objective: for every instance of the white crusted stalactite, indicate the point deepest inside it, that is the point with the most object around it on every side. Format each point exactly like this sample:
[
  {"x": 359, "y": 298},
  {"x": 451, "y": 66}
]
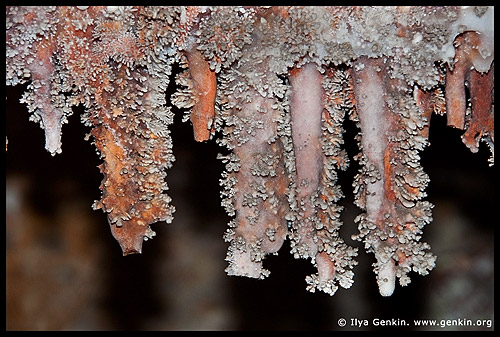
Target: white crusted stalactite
[
  {"x": 369, "y": 92},
  {"x": 317, "y": 136},
  {"x": 255, "y": 185},
  {"x": 391, "y": 181},
  {"x": 255, "y": 128}
]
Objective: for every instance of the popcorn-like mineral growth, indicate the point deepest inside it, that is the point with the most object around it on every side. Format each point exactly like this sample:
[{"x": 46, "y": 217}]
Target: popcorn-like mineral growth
[{"x": 273, "y": 85}]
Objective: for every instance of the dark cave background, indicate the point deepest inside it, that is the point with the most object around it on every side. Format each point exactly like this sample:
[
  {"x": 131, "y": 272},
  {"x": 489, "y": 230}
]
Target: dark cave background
[{"x": 65, "y": 271}]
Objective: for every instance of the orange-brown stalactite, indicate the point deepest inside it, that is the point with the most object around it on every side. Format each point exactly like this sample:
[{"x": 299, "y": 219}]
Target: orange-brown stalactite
[
  {"x": 466, "y": 51},
  {"x": 479, "y": 123},
  {"x": 117, "y": 192},
  {"x": 428, "y": 102},
  {"x": 204, "y": 89},
  {"x": 482, "y": 120},
  {"x": 133, "y": 186},
  {"x": 274, "y": 84}
]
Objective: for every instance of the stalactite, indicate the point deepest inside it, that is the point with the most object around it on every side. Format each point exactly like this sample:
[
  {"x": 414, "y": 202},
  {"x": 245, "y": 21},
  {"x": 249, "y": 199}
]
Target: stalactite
[
  {"x": 479, "y": 120},
  {"x": 204, "y": 87},
  {"x": 317, "y": 135},
  {"x": 273, "y": 86},
  {"x": 257, "y": 179},
  {"x": 391, "y": 182}
]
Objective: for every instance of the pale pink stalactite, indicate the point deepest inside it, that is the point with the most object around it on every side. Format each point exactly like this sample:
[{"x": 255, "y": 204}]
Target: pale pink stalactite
[
  {"x": 317, "y": 135},
  {"x": 306, "y": 108},
  {"x": 260, "y": 227},
  {"x": 51, "y": 116},
  {"x": 371, "y": 108}
]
